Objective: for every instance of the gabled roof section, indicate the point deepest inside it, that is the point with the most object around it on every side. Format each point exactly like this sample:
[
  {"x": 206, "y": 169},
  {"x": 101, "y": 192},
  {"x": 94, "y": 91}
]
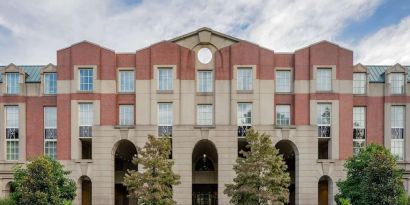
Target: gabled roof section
[
  {"x": 324, "y": 42},
  {"x": 377, "y": 72},
  {"x": 32, "y": 72}
]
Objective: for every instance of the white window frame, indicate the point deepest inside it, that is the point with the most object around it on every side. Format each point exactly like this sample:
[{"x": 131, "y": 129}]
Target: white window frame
[
  {"x": 50, "y": 122},
  {"x": 205, "y": 80},
  {"x": 89, "y": 85},
  {"x": 12, "y": 122},
  {"x": 283, "y": 81},
  {"x": 398, "y": 117},
  {"x": 283, "y": 115},
  {"x": 127, "y": 81},
  {"x": 50, "y": 83},
  {"x": 242, "y": 118},
  {"x": 165, "y": 116},
  {"x": 204, "y": 114},
  {"x": 86, "y": 117},
  {"x": 397, "y": 83},
  {"x": 359, "y": 129},
  {"x": 244, "y": 78},
  {"x": 126, "y": 115},
  {"x": 13, "y": 83},
  {"x": 324, "y": 121},
  {"x": 359, "y": 83},
  {"x": 165, "y": 78},
  {"x": 324, "y": 79}
]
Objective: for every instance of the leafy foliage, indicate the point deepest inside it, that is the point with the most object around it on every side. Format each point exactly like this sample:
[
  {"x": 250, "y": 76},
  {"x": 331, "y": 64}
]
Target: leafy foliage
[
  {"x": 42, "y": 181},
  {"x": 373, "y": 177},
  {"x": 261, "y": 176},
  {"x": 6, "y": 201},
  {"x": 153, "y": 184}
]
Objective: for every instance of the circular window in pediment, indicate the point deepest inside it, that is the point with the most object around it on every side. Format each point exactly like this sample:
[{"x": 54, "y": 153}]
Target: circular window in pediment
[{"x": 204, "y": 55}]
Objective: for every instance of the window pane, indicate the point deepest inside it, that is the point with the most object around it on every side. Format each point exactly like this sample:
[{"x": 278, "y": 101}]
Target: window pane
[
  {"x": 359, "y": 83},
  {"x": 13, "y": 83},
  {"x": 283, "y": 115},
  {"x": 86, "y": 114},
  {"x": 205, "y": 81},
  {"x": 12, "y": 150},
  {"x": 283, "y": 81},
  {"x": 126, "y": 114},
  {"x": 165, "y": 114},
  {"x": 50, "y": 117},
  {"x": 127, "y": 79},
  {"x": 165, "y": 79},
  {"x": 244, "y": 114},
  {"x": 324, "y": 79},
  {"x": 50, "y": 149},
  {"x": 204, "y": 114},
  {"x": 324, "y": 113},
  {"x": 397, "y": 131},
  {"x": 397, "y": 83},
  {"x": 86, "y": 79},
  {"x": 244, "y": 79},
  {"x": 50, "y": 83},
  {"x": 12, "y": 116},
  {"x": 359, "y": 128},
  {"x": 12, "y": 132}
]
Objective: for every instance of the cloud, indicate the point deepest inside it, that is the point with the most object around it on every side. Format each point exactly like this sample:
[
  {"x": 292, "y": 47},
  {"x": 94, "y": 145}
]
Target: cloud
[
  {"x": 36, "y": 29},
  {"x": 387, "y": 46}
]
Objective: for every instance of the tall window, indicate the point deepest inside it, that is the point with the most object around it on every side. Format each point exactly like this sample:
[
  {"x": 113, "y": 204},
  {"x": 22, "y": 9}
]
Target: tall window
[
  {"x": 359, "y": 83},
  {"x": 397, "y": 131},
  {"x": 244, "y": 118},
  {"x": 86, "y": 119},
  {"x": 283, "y": 81},
  {"x": 205, "y": 81},
  {"x": 324, "y": 79},
  {"x": 50, "y": 132},
  {"x": 165, "y": 79},
  {"x": 204, "y": 115},
  {"x": 12, "y": 132},
  {"x": 165, "y": 119},
  {"x": 324, "y": 113},
  {"x": 359, "y": 128},
  {"x": 126, "y": 114},
  {"x": 244, "y": 79},
  {"x": 127, "y": 79},
  {"x": 283, "y": 115},
  {"x": 50, "y": 83},
  {"x": 86, "y": 79},
  {"x": 13, "y": 83},
  {"x": 397, "y": 83}
]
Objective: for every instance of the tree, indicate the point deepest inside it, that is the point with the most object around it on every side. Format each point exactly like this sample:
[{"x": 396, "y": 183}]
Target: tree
[
  {"x": 373, "y": 177},
  {"x": 42, "y": 181},
  {"x": 261, "y": 176},
  {"x": 153, "y": 184}
]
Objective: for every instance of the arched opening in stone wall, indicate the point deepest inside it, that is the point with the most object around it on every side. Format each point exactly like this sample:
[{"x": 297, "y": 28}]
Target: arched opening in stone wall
[
  {"x": 325, "y": 187},
  {"x": 86, "y": 190},
  {"x": 289, "y": 152},
  {"x": 9, "y": 189},
  {"x": 205, "y": 174},
  {"x": 124, "y": 154}
]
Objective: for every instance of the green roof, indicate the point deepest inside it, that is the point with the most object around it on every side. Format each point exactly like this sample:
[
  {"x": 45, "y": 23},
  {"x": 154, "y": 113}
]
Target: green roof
[
  {"x": 32, "y": 72},
  {"x": 376, "y": 72}
]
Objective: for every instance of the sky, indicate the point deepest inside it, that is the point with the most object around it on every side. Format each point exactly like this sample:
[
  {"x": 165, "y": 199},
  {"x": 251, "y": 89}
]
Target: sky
[{"x": 377, "y": 31}]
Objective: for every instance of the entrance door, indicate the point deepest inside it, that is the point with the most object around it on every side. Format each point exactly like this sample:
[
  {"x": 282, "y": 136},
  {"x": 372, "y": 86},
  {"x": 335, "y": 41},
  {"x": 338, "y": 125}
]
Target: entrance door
[{"x": 205, "y": 194}]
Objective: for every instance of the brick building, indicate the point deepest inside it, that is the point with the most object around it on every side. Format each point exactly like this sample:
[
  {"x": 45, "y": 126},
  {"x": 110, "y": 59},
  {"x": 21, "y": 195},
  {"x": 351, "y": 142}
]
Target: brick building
[{"x": 203, "y": 88}]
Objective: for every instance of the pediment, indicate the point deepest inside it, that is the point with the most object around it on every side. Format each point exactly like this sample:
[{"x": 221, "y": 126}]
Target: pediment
[
  {"x": 396, "y": 69},
  {"x": 359, "y": 68},
  {"x": 205, "y": 36},
  {"x": 49, "y": 68},
  {"x": 11, "y": 68}
]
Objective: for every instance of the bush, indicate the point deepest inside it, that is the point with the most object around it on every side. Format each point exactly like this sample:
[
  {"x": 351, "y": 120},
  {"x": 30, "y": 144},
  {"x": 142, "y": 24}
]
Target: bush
[{"x": 6, "y": 201}]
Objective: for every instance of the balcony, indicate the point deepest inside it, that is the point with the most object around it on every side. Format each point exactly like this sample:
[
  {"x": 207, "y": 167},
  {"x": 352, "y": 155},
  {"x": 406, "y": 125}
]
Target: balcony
[
  {"x": 242, "y": 130},
  {"x": 86, "y": 132}
]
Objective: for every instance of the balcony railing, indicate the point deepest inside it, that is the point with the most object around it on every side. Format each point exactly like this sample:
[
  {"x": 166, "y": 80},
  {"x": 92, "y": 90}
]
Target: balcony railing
[
  {"x": 165, "y": 131},
  {"x": 86, "y": 131},
  {"x": 324, "y": 131},
  {"x": 242, "y": 130}
]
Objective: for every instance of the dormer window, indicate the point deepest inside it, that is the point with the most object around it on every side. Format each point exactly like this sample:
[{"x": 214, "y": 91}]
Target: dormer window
[
  {"x": 396, "y": 83},
  {"x": 13, "y": 83},
  {"x": 359, "y": 83},
  {"x": 50, "y": 83}
]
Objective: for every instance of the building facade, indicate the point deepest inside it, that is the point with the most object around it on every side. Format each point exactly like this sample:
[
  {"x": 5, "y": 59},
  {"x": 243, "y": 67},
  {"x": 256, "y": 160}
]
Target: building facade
[{"x": 204, "y": 89}]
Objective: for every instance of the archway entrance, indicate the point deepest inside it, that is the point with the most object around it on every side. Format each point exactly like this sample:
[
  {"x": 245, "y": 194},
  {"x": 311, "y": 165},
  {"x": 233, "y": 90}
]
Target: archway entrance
[
  {"x": 123, "y": 161},
  {"x": 86, "y": 190},
  {"x": 204, "y": 174},
  {"x": 324, "y": 191},
  {"x": 289, "y": 152}
]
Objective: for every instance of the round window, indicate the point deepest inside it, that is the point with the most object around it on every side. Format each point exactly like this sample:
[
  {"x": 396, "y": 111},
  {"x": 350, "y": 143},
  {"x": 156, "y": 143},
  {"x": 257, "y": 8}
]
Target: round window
[{"x": 204, "y": 55}]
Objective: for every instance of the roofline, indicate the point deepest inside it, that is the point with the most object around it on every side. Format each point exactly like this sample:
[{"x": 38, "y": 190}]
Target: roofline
[
  {"x": 205, "y": 29},
  {"x": 323, "y": 41},
  {"x": 86, "y": 41}
]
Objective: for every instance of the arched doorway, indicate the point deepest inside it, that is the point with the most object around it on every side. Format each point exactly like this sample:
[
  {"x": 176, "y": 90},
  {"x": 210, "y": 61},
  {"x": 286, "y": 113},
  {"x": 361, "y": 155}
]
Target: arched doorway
[
  {"x": 204, "y": 174},
  {"x": 9, "y": 189},
  {"x": 289, "y": 152},
  {"x": 86, "y": 190},
  {"x": 325, "y": 191},
  {"x": 124, "y": 154}
]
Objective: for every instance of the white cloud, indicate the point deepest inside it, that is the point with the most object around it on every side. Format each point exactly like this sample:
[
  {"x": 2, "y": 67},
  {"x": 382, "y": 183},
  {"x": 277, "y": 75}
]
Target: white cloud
[
  {"x": 387, "y": 46},
  {"x": 34, "y": 30}
]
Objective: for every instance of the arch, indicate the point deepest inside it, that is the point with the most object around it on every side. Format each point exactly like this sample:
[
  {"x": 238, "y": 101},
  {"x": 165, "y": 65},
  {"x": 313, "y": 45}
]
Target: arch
[
  {"x": 325, "y": 190},
  {"x": 86, "y": 190},
  {"x": 123, "y": 152},
  {"x": 9, "y": 188},
  {"x": 290, "y": 154},
  {"x": 204, "y": 173}
]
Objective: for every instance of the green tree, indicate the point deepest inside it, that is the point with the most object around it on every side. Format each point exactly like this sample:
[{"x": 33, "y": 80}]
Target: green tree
[
  {"x": 153, "y": 184},
  {"x": 373, "y": 177},
  {"x": 261, "y": 176},
  {"x": 42, "y": 181}
]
